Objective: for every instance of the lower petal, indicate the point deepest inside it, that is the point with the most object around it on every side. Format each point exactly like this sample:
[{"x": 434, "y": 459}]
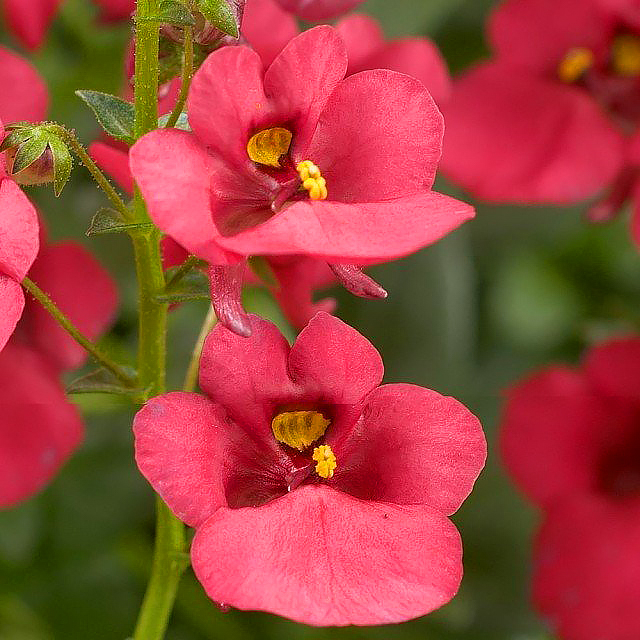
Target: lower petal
[
  {"x": 11, "y": 306},
  {"x": 323, "y": 558}
]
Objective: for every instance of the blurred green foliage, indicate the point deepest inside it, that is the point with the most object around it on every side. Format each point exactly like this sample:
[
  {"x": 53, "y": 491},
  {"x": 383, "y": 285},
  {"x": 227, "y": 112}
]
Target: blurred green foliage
[{"x": 514, "y": 289}]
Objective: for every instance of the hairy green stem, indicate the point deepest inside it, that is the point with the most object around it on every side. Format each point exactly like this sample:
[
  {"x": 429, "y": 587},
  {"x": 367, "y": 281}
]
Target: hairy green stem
[
  {"x": 187, "y": 74},
  {"x": 71, "y": 139},
  {"x": 186, "y": 267},
  {"x": 170, "y": 543},
  {"x": 73, "y": 331},
  {"x": 191, "y": 378}
]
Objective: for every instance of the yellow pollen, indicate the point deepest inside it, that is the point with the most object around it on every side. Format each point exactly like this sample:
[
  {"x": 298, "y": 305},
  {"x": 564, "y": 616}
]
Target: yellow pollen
[
  {"x": 299, "y": 429},
  {"x": 326, "y": 461},
  {"x": 625, "y": 55},
  {"x": 268, "y": 146},
  {"x": 574, "y": 64},
  {"x": 312, "y": 180}
]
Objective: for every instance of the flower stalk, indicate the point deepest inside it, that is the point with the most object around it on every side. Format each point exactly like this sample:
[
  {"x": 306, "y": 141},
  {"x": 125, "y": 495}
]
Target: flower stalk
[{"x": 187, "y": 74}]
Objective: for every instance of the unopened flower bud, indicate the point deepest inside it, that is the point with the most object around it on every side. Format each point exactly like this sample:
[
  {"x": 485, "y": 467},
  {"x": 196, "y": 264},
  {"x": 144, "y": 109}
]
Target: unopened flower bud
[{"x": 40, "y": 171}]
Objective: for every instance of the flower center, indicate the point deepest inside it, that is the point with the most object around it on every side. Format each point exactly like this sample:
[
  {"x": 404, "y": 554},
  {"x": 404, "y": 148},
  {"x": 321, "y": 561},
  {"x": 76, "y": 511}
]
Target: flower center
[
  {"x": 625, "y": 55},
  {"x": 268, "y": 146},
  {"x": 575, "y": 63},
  {"x": 326, "y": 461},
  {"x": 312, "y": 180},
  {"x": 299, "y": 429}
]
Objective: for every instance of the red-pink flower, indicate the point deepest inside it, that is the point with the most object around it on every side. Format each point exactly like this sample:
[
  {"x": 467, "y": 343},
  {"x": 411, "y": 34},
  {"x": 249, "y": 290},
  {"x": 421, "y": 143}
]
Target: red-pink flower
[
  {"x": 315, "y": 493},
  {"x": 571, "y": 440},
  {"x": 318, "y": 10},
  {"x": 29, "y": 19},
  {"x": 39, "y": 428},
  {"x": 283, "y": 163},
  {"x": 543, "y": 120},
  {"x": 113, "y": 10}
]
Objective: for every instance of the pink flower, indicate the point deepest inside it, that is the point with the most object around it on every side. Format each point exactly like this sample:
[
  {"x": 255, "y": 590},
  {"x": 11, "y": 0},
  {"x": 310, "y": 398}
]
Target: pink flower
[
  {"x": 114, "y": 10},
  {"x": 315, "y": 493},
  {"x": 568, "y": 67},
  {"x": 39, "y": 428},
  {"x": 571, "y": 440},
  {"x": 29, "y": 19},
  {"x": 285, "y": 164},
  {"x": 318, "y": 10}
]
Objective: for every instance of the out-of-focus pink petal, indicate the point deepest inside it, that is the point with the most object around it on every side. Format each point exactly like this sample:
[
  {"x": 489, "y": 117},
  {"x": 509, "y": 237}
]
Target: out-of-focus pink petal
[
  {"x": 411, "y": 446},
  {"x": 82, "y": 289},
  {"x": 113, "y": 10},
  {"x": 299, "y": 90},
  {"x": 321, "y": 557},
  {"x": 492, "y": 149},
  {"x": 115, "y": 162},
  {"x": 587, "y": 569},
  {"x": 267, "y": 28},
  {"x": 361, "y": 233},
  {"x": 26, "y": 97},
  {"x": 362, "y": 36},
  {"x": 39, "y": 428},
  {"x": 18, "y": 231},
  {"x": 11, "y": 306},
  {"x": 174, "y": 175},
  {"x": 333, "y": 362},
  {"x": 613, "y": 368},
  {"x": 30, "y": 19},
  {"x": 318, "y": 10},
  {"x": 548, "y": 434},
  {"x": 173, "y": 255},
  {"x": 392, "y": 152},
  {"x": 537, "y": 34}
]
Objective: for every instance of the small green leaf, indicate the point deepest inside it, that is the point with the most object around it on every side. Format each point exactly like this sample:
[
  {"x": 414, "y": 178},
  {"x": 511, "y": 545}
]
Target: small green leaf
[
  {"x": 192, "y": 286},
  {"x": 102, "y": 381},
  {"x": 181, "y": 123},
  {"x": 62, "y": 163},
  {"x": 220, "y": 14},
  {"x": 174, "y": 12},
  {"x": 30, "y": 150},
  {"x": 115, "y": 116},
  {"x": 110, "y": 221}
]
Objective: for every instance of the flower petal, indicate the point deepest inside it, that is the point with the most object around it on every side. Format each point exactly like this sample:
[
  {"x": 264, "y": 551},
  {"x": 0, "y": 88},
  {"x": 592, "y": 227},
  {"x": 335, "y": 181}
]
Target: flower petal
[
  {"x": 492, "y": 150},
  {"x": 82, "y": 289},
  {"x": 318, "y": 10},
  {"x": 411, "y": 446},
  {"x": 18, "y": 231},
  {"x": 115, "y": 162},
  {"x": 29, "y": 97},
  {"x": 320, "y": 557},
  {"x": 361, "y": 233},
  {"x": 390, "y": 153},
  {"x": 226, "y": 297},
  {"x": 11, "y": 307},
  {"x": 587, "y": 569},
  {"x": 39, "y": 428},
  {"x": 362, "y": 36},
  {"x": 613, "y": 368},
  {"x": 30, "y": 20},
  {"x": 173, "y": 173}
]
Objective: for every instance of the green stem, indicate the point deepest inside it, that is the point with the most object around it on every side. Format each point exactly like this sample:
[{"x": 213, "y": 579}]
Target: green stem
[
  {"x": 72, "y": 140},
  {"x": 191, "y": 377},
  {"x": 71, "y": 329},
  {"x": 170, "y": 543},
  {"x": 188, "y": 265},
  {"x": 187, "y": 74}
]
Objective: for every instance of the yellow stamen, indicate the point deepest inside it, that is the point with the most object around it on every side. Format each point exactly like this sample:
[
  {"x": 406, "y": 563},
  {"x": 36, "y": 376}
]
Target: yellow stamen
[
  {"x": 326, "y": 461},
  {"x": 268, "y": 146},
  {"x": 625, "y": 55},
  {"x": 299, "y": 429},
  {"x": 312, "y": 180},
  {"x": 575, "y": 63}
]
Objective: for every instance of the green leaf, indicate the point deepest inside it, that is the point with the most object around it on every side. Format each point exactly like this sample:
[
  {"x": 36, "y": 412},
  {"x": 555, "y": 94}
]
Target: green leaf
[
  {"x": 16, "y": 138},
  {"x": 192, "y": 286},
  {"x": 219, "y": 13},
  {"x": 110, "y": 221},
  {"x": 30, "y": 150},
  {"x": 115, "y": 116},
  {"x": 102, "y": 381},
  {"x": 181, "y": 123},
  {"x": 174, "y": 12},
  {"x": 62, "y": 163}
]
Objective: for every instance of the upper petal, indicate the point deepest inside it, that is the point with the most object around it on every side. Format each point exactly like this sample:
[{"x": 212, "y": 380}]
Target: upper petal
[
  {"x": 390, "y": 153},
  {"x": 318, "y": 10},
  {"x": 360, "y": 233},
  {"x": 323, "y": 558},
  {"x": 492, "y": 150},
  {"x": 173, "y": 172},
  {"x": 82, "y": 289},
  {"x": 30, "y": 19},
  {"x": 18, "y": 231},
  {"x": 29, "y": 97},
  {"x": 11, "y": 306},
  {"x": 362, "y": 36},
  {"x": 411, "y": 446},
  {"x": 39, "y": 428}
]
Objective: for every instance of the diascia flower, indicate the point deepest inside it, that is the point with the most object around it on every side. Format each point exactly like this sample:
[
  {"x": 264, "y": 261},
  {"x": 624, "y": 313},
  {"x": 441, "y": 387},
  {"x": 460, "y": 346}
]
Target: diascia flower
[
  {"x": 29, "y": 19},
  {"x": 544, "y": 120},
  {"x": 39, "y": 427},
  {"x": 315, "y": 493},
  {"x": 283, "y": 163},
  {"x": 571, "y": 440}
]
